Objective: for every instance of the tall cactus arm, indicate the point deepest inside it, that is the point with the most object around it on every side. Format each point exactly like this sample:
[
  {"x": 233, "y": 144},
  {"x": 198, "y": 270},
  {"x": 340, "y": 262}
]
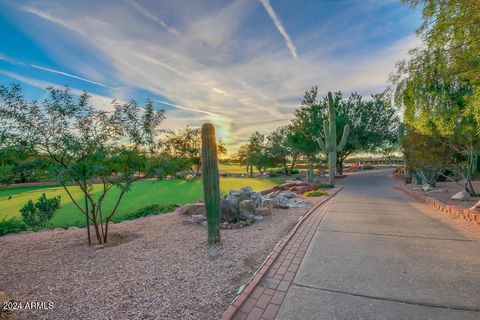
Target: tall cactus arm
[
  {"x": 322, "y": 145},
  {"x": 343, "y": 141}
]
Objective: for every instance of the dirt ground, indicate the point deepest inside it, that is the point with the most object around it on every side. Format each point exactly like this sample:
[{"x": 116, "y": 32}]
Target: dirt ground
[
  {"x": 158, "y": 267},
  {"x": 451, "y": 188}
]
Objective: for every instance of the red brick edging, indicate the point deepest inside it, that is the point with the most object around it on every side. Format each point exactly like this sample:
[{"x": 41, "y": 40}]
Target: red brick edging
[
  {"x": 262, "y": 295},
  {"x": 470, "y": 220}
]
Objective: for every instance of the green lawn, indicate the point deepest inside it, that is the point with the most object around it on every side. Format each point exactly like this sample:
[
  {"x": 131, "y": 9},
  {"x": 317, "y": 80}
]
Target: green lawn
[
  {"x": 232, "y": 168},
  {"x": 143, "y": 193}
]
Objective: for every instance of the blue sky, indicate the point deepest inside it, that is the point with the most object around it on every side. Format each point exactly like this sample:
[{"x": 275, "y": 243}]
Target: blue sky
[{"x": 241, "y": 64}]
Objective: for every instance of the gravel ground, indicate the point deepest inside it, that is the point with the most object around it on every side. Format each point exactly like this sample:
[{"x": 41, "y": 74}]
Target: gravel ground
[
  {"x": 452, "y": 188},
  {"x": 162, "y": 268}
]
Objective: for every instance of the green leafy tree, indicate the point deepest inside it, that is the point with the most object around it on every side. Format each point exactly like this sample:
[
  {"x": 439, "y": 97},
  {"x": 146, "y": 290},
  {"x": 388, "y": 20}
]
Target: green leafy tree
[
  {"x": 38, "y": 215},
  {"x": 372, "y": 122},
  {"x": 85, "y": 144},
  {"x": 282, "y": 150},
  {"x": 438, "y": 86},
  {"x": 186, "y": 143}
]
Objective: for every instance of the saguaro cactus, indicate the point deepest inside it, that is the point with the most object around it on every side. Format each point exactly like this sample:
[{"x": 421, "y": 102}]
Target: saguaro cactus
[
  {"x": 211, "y": 188},
  {"x": 330, "y": 146}
]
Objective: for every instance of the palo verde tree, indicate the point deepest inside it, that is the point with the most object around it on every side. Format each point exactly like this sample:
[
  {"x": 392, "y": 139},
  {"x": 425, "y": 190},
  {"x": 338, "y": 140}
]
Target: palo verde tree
[
  {"x": 185, "y": 144},
  {"x": 281, "y": 150},
  {"x": 86, "y": 144}
]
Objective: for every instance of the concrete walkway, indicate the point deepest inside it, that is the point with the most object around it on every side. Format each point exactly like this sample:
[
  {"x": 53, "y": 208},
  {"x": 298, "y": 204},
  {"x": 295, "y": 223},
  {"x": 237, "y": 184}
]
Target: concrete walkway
[{"x": 376, "y": 256}]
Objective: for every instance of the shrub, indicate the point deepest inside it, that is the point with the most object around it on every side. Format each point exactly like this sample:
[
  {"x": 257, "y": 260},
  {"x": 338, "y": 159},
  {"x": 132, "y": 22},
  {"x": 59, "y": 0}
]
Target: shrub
[
  {"x": 315, "y": 193},
  {"x": 6, "y": 174},
  {"x": 367, "y": 167},
  {"x": 325, "y": 185},
  {"x": 38, "y": 215},
  {"x": 294, "y": 171},
  {"x": 11, "y": 225},
  {"x": 152, "y": 209},
  {"x": 273, "y": 174}
]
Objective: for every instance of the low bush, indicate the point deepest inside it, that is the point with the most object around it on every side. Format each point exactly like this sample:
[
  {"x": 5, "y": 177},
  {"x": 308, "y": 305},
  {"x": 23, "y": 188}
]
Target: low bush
[
  {"x": 38, "y": 215},
  {"x": 367, "y": 167},
  {"x": 152, "y": 209},
  {"x": 273, "y": 174},
  {"x": 11, "y": 225},
  {"x": 295, "y": 171},
  {"x": 316, "y": 193},
  {"x": 325, "y": 185}
]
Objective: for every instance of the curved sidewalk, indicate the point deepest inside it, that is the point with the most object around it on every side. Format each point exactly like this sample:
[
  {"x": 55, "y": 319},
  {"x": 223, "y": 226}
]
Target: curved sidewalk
[{"x": 377, "y": 254}]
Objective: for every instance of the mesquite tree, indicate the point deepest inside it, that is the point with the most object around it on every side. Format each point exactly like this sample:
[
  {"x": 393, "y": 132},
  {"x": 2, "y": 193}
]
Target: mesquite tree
[
  {"x": 329, "y": 145},
  {"x": 211, "y": 188},
  {"x": 92, "y": 149}
]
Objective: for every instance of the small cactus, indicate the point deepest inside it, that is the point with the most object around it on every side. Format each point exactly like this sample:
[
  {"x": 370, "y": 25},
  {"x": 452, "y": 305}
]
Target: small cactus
[
  {"x": 211, "y": 188},
  {"x": 330, "y": 146}
]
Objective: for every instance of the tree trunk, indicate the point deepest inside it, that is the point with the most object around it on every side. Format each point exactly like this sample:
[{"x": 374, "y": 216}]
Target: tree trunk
[
  {"x": 285, "y": 167},
  {"x": 340, "y": 166}
]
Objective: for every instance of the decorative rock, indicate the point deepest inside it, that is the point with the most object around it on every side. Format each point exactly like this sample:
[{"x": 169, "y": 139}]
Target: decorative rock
[
  {"x": 246, "y": 207},
  {"x": 235, "y": 193},
  {"x": 282, "y": 202},
  {"x": 73, "y": 228},
  {"x": 426, "y": 187},
  {"x": 263, "y": 211},
  {"x": 269, "y": 203},
  {"x": 192, "y": 209},
  {"x": 258, "y": 218},
  {"x": 204, "y": 224},
  {"x": 461, "y": 196},
  {"x": 229, "y": 209},
  {"x": 198, "y": 218},
  {"x": 288, "y": 194},
  {"x": 99, "y": 246},
  {"x": 477, "y": 205}
]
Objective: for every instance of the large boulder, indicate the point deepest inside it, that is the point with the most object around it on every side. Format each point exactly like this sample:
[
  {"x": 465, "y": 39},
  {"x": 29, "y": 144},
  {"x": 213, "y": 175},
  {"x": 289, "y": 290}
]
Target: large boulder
[
  {"x": 263, "y": 211},
  {"x": 246, "y": 193},
  {"x": 269, "y": 203},
  {"x": 288, "y": 194},
  {"x": 282, "y": 202},
  {"x": 235, "y": 193},
  {"x": 230, "y": 210},
  {"x": 246, "y": 208},
  {"x": 461, "y": 196},
  {"x": 192, "y": 209},
  {"x": 198, "y": 218}
]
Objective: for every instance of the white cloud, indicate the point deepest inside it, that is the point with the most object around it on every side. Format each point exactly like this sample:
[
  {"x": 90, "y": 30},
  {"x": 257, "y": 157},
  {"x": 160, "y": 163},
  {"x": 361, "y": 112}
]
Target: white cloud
[
  {"x": 278, "y": 23},
  {"x": 69, "y": 75},
  {"x": 213, "y": 70}
]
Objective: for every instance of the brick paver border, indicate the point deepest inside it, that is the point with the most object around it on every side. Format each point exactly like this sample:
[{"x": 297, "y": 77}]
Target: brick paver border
[
  {"x": 262, "y": 296},
  {"x": 464, "y": 220}
]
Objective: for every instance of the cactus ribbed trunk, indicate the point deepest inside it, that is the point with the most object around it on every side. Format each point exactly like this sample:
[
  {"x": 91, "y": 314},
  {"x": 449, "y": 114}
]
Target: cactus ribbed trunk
[
  {"x": 332, "y": 166},
  {"x": 329, "y": 146},
  {"x": 211, "y": 188}
]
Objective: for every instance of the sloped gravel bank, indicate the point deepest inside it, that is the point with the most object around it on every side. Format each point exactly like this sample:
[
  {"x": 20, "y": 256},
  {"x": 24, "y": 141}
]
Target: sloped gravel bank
[{"x": 160, "y": 268}]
